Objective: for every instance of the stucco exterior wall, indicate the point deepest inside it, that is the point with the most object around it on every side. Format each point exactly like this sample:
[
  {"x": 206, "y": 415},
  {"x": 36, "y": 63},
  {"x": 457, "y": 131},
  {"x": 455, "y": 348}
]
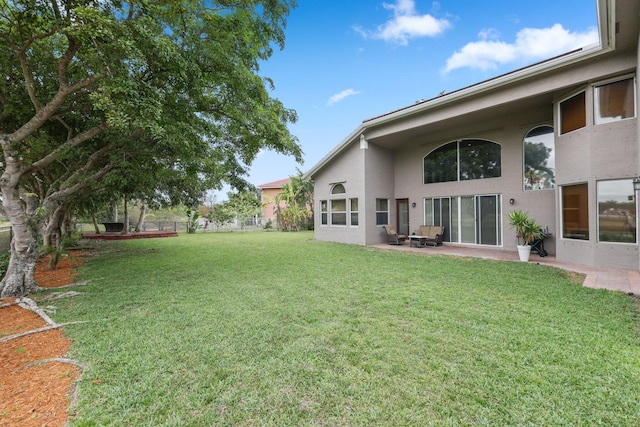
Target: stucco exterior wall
[
  {"x": 348, "y": 169},
  {"x": 378, "y": 184},
  {"x": 588, "y": 155},
  {"x": 508, "y": 131}
]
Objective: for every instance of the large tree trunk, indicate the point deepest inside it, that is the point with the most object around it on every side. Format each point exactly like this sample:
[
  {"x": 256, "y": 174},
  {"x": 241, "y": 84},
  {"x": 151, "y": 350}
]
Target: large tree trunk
[
  {"x": 25, "y": 251},
  {"x": 143, "y": 211}
]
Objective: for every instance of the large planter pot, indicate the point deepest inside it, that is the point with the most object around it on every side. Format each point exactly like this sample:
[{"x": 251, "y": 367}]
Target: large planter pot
[{"x": 523, "y": 252}]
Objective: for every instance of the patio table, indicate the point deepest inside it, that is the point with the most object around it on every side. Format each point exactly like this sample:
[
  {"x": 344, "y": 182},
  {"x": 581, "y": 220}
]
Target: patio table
[{"x": 419, "y": 241}]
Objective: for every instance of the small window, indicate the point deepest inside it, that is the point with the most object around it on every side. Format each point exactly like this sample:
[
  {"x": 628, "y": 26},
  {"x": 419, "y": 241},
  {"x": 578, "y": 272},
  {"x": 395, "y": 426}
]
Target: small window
[
  {"x": 575, "y": 212},
  {"x": 573, "y": 113},
  {"x": 323, "y": 212},
  {"x": 353, "y": 210},
  {"x": 339, "y": 212},
  {"x": 616, "y": 211},
  {"x": 382, "y": 211},
  {"x": 614, "y": 101},
  {"x": 539, "y": 159},
  {"x": 338, "y": 189}
]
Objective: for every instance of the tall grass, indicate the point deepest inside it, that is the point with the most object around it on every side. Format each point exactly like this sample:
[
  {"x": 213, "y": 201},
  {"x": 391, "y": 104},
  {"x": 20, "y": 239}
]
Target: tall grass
[{"x": 279, "y": 329}]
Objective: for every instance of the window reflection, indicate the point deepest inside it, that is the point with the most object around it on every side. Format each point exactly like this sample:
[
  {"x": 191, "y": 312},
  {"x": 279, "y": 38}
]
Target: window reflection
[
  {"x": 616, "y": 211},
  {"x": 539, "y": 159},
  {"x": 463, "y": 160}
]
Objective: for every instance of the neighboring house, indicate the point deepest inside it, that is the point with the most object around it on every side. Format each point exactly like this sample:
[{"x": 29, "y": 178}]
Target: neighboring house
[
  {"x": 559, "y": 139},
  {"x": 268, "y": 193}
]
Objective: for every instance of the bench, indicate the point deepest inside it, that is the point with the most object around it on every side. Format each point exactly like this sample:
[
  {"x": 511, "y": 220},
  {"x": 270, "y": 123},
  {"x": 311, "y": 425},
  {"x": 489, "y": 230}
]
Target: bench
[
  {"x": 431, "y": 233},
  {"x": 113, "y": 227}
]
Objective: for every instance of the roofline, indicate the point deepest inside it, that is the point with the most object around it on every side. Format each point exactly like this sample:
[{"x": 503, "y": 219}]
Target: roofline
[{"x": 606, "y": 44}]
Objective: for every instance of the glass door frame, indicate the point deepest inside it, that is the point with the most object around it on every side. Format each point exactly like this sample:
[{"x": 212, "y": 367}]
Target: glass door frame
[{"x": 402, "y": 205}]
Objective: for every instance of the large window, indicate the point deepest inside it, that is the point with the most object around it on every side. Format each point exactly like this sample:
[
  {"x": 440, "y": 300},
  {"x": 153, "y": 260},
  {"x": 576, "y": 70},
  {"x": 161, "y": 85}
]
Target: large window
[
  {"x": 539, "y": 159},
  {"x": 614, "y": 101},
  {"x": 616, "y": 211},
  {"x": 339, "y": 212},
  {"x": 573, "y": 113},
  {"x": 463, "y": 160},
  {"x": 575, "y": 212},
  {"x": 441, "y": 165},
  {"x": 382, "y": 211},
  {"x": 353, "y": 211}
]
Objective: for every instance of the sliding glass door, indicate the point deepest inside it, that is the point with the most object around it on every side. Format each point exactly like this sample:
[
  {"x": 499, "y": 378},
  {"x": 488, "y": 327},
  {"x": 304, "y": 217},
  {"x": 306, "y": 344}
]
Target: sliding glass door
[
  {"x": 488, "y": 220},
  {"x": 467, "y": 219}
]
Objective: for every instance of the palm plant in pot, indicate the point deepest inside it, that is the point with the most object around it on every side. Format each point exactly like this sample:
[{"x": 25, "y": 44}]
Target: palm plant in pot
[{"x": 527, "y": 229}]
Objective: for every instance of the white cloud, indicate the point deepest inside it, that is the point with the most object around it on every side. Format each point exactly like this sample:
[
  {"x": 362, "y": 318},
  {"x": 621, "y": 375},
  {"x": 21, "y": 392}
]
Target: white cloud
[
  {"x": 530, "y": 44},
  {"x": 406, "y": 24},
  {"x": 342, "y": 95}
]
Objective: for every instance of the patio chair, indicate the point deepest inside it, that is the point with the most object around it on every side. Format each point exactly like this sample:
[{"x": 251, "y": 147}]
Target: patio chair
[{"x": 393, "y": 238}]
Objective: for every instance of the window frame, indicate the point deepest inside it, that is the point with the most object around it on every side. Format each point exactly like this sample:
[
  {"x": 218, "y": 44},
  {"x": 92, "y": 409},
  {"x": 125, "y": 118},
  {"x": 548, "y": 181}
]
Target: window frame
[
  {"x": 524, "y": 157},
  {"x": 338, "y": 188},
  {"x": 353, "y": 212},
  {"x": 582, "y": 92},
  {"x": 324, "y": 212},
  {"x": 622, "y": 225},
  {"x": 566, "y": 210},
  {"x": 596, "y": 86},
  {"x": 461, "y": 161},
  {"x": 380, "y": 212},
  {"x": 333, "y": 212}
]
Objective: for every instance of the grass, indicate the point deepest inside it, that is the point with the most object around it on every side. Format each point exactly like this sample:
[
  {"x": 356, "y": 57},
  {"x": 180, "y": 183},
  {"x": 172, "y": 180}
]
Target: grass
[{"x": 279, "y": 329}]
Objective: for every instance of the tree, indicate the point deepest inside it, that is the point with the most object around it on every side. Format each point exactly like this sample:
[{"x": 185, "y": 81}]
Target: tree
[
  {"x": 294, "y": 203},
  {"x": 221, "y": 214},
  {"x": 93, "y": 88},
  {"x": 245, "y": 206}
]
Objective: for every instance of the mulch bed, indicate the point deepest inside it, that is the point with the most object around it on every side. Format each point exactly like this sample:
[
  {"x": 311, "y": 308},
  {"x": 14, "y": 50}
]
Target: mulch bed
[{"x": 32, "y": 393}]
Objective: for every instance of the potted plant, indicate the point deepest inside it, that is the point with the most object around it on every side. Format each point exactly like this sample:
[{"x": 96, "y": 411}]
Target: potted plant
[{"x": 527, "y": 229}]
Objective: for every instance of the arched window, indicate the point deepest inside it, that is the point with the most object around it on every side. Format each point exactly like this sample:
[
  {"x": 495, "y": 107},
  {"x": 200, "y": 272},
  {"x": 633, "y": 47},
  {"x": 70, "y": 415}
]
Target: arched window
[
  {"x": 539, "y": 159},
  {"x": 338, "y": 189},
  {"x": 463, "y": 160}
]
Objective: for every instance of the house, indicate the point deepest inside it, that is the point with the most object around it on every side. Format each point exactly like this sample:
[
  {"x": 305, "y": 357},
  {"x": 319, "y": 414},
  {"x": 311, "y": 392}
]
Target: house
[
  {"x": 559, "y": 139},
  {"x": 268, "y": 193}
]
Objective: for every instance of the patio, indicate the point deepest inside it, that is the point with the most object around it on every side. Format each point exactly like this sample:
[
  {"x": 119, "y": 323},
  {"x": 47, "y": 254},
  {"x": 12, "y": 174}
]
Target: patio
[{"x": 627, "y": 281}]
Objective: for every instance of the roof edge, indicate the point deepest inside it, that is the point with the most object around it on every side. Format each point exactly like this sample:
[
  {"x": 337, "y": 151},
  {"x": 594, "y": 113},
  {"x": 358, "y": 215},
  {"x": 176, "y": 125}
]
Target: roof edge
[{"x": 606, "y": 21}]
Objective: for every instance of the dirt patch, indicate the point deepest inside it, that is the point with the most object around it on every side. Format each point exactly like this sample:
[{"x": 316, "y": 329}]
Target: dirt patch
[{"x": 33, "y": 393}]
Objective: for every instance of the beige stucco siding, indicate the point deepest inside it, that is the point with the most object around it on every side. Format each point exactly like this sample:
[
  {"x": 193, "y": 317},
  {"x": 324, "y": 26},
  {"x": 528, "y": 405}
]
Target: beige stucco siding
[
  {"x": 348, "y": 169},
  {"x": 508, "y": 131},
  {"x": 378, "y": 184},
  {"x": 588, "y": 155}
]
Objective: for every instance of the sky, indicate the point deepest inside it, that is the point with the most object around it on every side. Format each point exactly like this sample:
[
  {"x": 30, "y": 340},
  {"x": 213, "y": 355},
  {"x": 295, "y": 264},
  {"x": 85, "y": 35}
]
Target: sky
[{"x": 345, "y": 61}]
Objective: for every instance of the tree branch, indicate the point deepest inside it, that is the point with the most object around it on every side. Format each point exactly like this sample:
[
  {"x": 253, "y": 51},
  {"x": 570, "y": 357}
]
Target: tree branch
[
  {"x": 71, "y": 143},
  {"x": 62, "y": 194},
  {"x": 46, "y": 112},
  {"x": 63, "y": 65}
]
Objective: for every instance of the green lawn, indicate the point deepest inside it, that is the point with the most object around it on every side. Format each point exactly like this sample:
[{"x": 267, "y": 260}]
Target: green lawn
[{"x": 277, "y": 329}]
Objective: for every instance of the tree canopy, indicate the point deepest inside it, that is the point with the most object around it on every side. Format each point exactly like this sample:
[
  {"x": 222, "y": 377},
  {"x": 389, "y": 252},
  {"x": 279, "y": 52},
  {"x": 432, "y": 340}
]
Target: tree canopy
[{"x": 157, "y": 98}]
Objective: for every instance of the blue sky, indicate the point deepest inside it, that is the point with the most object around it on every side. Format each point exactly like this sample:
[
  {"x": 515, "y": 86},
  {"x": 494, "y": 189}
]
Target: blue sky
[{"x": 346, "y": 61}]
